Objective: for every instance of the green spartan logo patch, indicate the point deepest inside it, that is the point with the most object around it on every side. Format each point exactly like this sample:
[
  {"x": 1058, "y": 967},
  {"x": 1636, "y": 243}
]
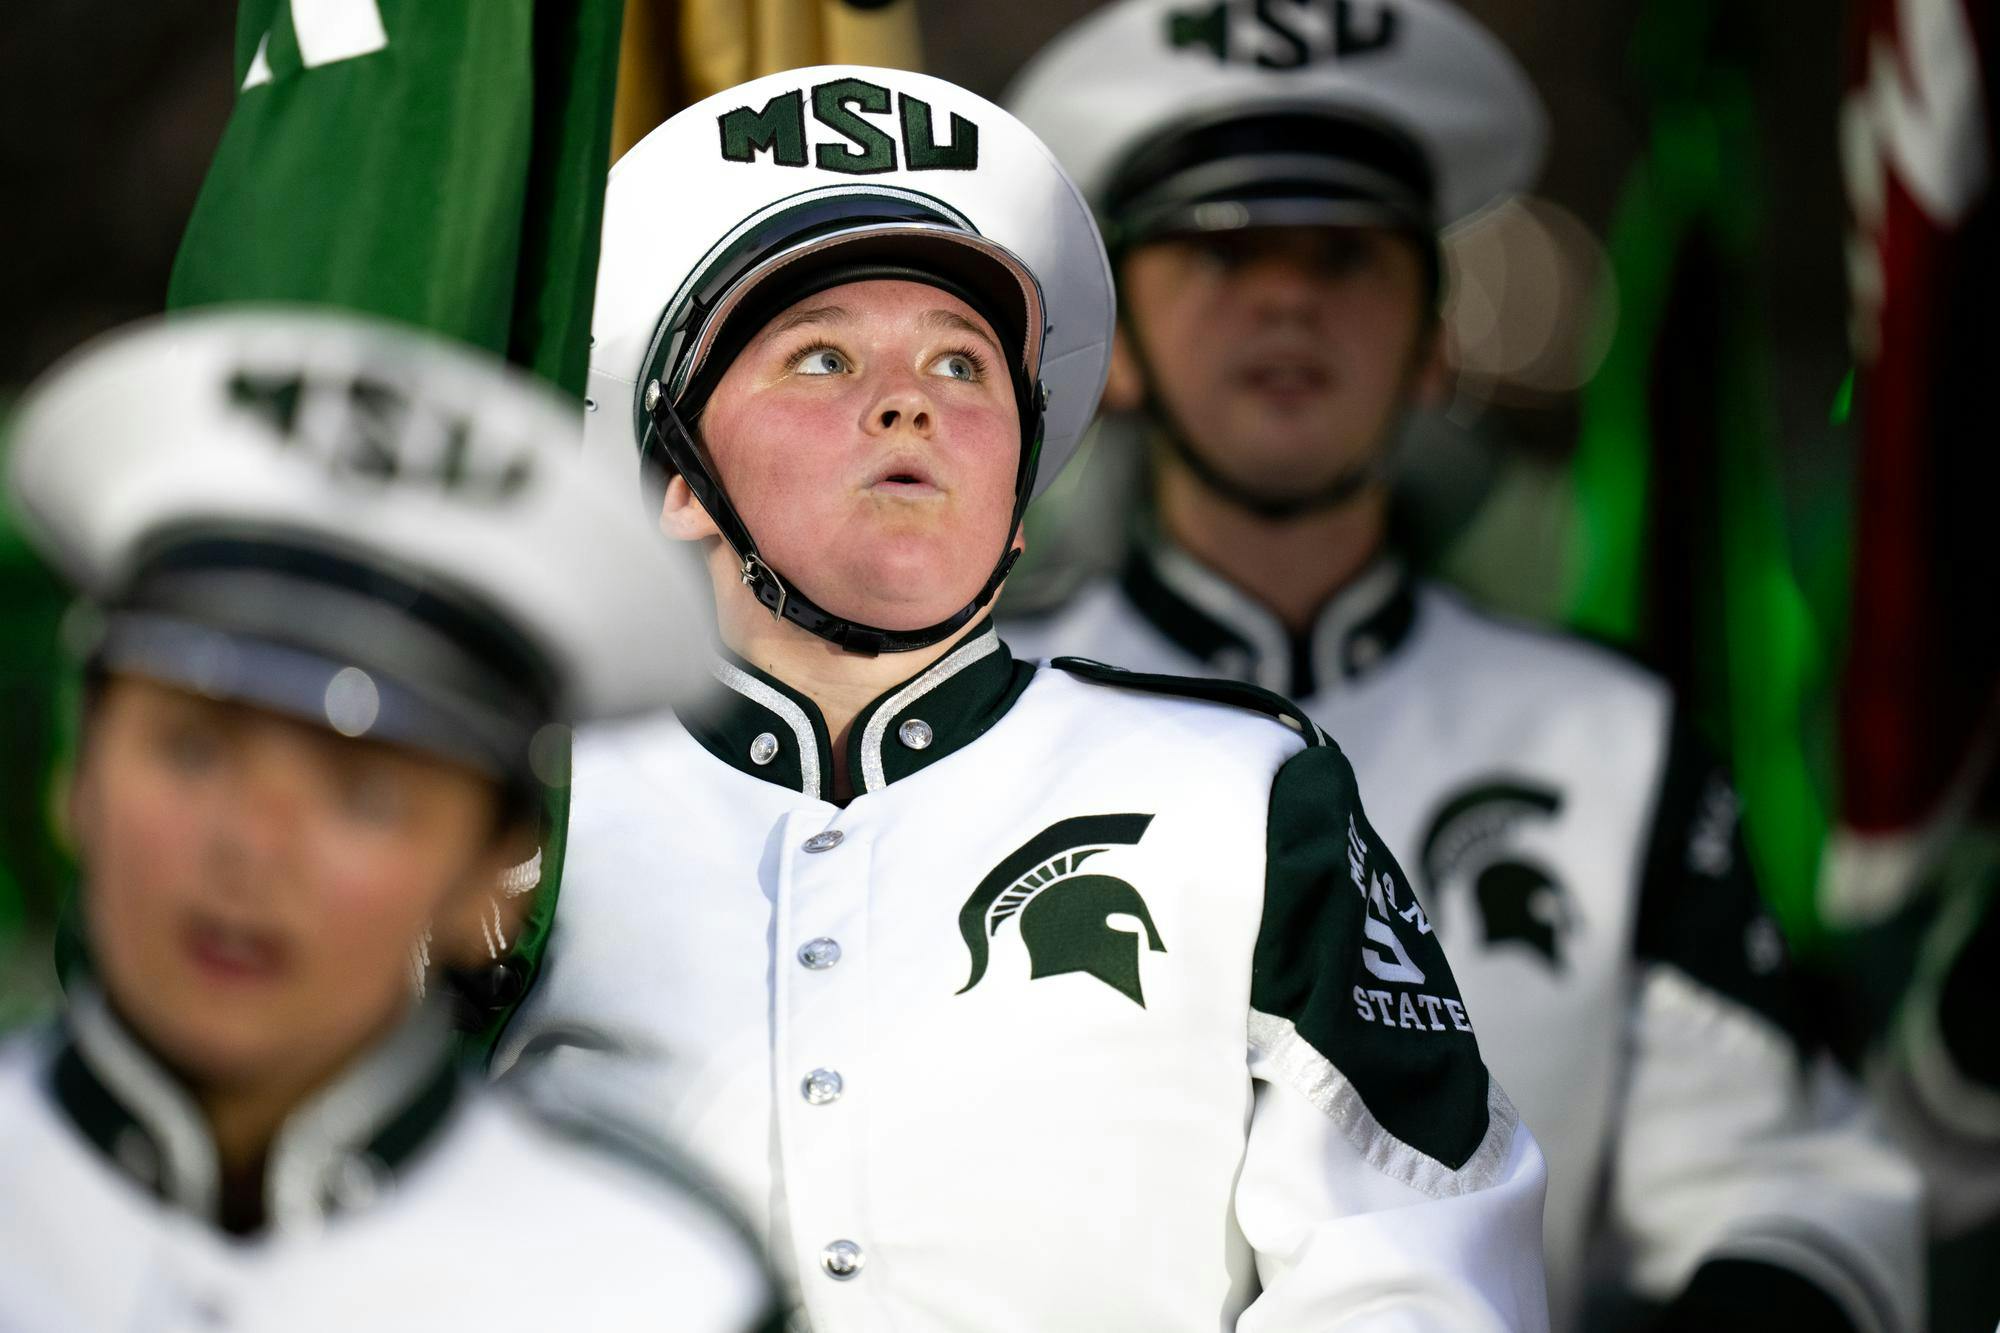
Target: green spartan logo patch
[
  {"x": 1064, "y": 914},
  {"x": 1471, "y": 841}
]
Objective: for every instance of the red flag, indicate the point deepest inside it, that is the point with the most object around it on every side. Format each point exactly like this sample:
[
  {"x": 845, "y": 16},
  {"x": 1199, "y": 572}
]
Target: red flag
[{"x": 1918, "y": 706}]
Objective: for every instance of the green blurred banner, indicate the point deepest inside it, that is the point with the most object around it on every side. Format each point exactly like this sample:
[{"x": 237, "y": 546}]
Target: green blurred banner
[
  {"x": 440, "y": 162},
  {"x": 32, "y": 869},
  {"x": 1680, "y": 545}
]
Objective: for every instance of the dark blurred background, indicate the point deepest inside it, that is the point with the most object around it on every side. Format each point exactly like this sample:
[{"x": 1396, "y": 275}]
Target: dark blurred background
[{"x": 109, "y": 114}]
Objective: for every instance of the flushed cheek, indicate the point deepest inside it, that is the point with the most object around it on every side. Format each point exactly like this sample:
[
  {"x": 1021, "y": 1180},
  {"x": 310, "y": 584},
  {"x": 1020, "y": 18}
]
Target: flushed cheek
[
  {"x": 1186, "y": 364},
  {"x": 372, "y": 902},
  {"x": 347, "y": 963},
  {"x": 136, "y": 935},
  {"x": 146, "y": 869},
  {"x": 790, "y": 452},
  {"x": 148, "y": 956}
]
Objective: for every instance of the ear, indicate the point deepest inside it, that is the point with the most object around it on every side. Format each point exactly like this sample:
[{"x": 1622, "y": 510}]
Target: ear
[
  {"x": 1125, "y": 388},
  {"x": 1431, "y": 371},
  {"x": 682, "y": 516},
  {"x": 73, "y": 800},
  {"x": 480, "y": 907},
  {"x": 72, "y": 805}
]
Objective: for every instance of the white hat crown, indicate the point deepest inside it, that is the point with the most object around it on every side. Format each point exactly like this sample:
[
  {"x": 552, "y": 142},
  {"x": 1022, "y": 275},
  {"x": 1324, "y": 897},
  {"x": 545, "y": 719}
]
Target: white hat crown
[
  {"x": 1421, "y": 69},
  {"x": 384, "y": 445}
]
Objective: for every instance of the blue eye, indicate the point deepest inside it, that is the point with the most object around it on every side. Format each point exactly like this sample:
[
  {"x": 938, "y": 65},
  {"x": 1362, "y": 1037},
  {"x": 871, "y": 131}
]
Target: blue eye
[
  {"x": 821, "y": 361},
  {"x": 957, "y": 366},
  {"x": 372, "y": 799},
  {"x": 191, "y": 750}
]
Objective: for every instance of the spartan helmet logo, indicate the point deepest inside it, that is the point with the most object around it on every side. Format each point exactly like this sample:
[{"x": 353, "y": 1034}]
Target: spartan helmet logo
[
  {"x": 1470, "y": 844},
  {"x": 1065, "y": 915}
]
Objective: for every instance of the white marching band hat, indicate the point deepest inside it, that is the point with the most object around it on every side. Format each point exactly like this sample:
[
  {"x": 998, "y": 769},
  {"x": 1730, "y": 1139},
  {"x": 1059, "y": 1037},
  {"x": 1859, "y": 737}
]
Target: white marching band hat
[
  {"x": 1182, "y": 116},
  {"x": 774, "y": 190},
  {"x": 355, "y": 523},
  {"x": 685, "y": 203}
]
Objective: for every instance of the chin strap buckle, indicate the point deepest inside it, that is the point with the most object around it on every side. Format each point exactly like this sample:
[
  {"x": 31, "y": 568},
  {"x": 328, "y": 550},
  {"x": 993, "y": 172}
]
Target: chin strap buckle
[{"x": 755, "y": 569}]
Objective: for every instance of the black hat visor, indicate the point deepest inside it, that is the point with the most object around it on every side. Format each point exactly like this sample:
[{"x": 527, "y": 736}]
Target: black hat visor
[
  {"x": 988, "y": 277},
  {"x": 378, "y": 657},
  {"x": 1270, "y": 169}
]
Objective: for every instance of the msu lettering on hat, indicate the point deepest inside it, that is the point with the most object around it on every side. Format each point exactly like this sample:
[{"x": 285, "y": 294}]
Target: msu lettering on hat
[
  {"x": 1188, "y": 115},
  {"x": 356, "y": 523}
]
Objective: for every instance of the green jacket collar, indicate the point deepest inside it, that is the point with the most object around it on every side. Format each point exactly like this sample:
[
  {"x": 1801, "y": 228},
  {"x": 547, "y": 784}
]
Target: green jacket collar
[
  {"x": 1211, "y": 619},
  {"x": 767, "y": 729},
  {"x": 337, "y": 1152}
]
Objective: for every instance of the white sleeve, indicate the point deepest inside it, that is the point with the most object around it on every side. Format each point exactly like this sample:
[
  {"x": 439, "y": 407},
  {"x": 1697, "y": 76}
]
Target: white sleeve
[
  {"x": 1733, "y": 1148},
  {"x": 1935, "y": 1079},
  {"x": 1354, "y": 1229},
  {"x": 1745, "y": 1174},
  {"x": 1387, "y": 1182}
]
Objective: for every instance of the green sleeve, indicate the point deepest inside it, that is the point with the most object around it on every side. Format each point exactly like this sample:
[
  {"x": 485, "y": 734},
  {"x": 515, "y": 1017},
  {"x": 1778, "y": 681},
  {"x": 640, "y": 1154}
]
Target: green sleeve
[{"x": 1347, "y": 958}]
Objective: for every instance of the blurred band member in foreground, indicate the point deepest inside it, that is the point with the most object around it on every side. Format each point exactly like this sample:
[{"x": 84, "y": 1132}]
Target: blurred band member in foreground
[{"x": 349, "y": 579}]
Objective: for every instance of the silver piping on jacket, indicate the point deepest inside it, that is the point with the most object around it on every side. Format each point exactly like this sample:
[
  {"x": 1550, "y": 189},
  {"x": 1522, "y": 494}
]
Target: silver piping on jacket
[
  {"x": 957, "y": 660},
  {"x": 187, "y": 1170},
  {"x": 795, "y": 717}
]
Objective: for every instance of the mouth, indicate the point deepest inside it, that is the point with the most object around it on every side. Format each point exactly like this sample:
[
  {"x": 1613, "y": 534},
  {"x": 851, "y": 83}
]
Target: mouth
[
  {"x": 905, "y": 479},
  {"x": 1286, "y": 380},
  {"x": 232, "y": 952}
]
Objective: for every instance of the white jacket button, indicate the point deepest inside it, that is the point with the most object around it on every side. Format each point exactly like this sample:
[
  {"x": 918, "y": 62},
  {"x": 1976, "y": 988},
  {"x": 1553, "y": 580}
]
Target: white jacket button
[
  {"x": 842, "y": 1259},
  {"x": 819, "y": 954}
]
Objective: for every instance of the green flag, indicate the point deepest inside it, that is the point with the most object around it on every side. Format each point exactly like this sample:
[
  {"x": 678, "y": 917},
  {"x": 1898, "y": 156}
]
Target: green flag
[
  {"x": 1681, "y": 543},
  {"x": 440, "y": 162},
  {"x": 33, "y": 870}
]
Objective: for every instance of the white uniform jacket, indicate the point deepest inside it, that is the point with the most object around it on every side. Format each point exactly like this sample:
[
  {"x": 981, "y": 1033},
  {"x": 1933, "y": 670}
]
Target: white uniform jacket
[
  {"x": 1937, "y": 1077},
  {"x": 1097, "y": 1008},
  {"x": 1581, "y": 864},
  {"x": 395, "y": 1199}
]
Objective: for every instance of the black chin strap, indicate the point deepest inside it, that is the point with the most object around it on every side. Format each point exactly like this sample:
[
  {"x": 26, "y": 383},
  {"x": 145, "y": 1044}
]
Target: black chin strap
[
  {"x": 667, "y": 435},
  {"x": 1343, "y": 489}
]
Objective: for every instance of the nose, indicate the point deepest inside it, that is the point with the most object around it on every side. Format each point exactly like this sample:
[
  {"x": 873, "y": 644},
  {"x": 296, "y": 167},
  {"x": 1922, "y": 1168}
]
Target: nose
[
  {"x": 1282, "y": 289},
  {"x": 257, "y": 827},
  {"x": 902, "y": 404}
]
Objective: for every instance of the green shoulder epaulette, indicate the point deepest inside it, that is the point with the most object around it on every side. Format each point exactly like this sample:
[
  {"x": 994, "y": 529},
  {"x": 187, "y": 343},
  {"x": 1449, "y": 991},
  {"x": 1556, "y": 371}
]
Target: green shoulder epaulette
[{"x": 1233, "y": 692}]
